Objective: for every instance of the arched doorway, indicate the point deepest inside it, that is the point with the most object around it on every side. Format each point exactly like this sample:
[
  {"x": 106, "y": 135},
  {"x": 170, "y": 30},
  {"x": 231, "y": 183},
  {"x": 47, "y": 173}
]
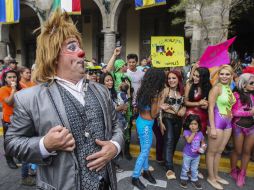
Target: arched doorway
[
  {"x": 91, "y": 27},
  {"x": 22, "y": 38}
]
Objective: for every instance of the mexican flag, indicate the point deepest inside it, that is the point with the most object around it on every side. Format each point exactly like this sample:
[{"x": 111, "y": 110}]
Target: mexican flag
[{"x": 70, "y": 6}]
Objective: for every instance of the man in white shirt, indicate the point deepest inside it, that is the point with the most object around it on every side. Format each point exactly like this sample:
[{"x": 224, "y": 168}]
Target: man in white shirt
[
  {"x": 66, "y": 124},
  {"x": 134, "y": 74}
]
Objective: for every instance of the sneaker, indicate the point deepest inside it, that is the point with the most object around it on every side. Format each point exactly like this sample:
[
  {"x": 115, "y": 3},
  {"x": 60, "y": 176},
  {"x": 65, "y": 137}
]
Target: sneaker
[
  {"x": 12, "y": 164},
  {"x": 196, "y": 184},
  {"x": 234, "y": 173},
  {"x": 148, "y": 176},
  {"x": 200, "y": 175},
  {"x": 28, "y": 181},
  {"x": 170, "y": 174},
  {"x": 241, "y": 178},
  {"x": 151, "y": 168},
  {"x": 183, "y": 183},
  {"x": 119, "y": 169},
  {"x": 137, "y": 183},
  {"x": 31, "y": 172}
]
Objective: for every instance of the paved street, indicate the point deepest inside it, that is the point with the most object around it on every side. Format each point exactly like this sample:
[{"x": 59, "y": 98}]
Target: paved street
[{"x": 10, "y": 179}]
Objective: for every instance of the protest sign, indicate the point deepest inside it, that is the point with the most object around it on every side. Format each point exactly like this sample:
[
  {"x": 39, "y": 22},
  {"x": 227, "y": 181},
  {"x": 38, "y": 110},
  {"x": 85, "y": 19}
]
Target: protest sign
[{"x": 167, "y": 51}]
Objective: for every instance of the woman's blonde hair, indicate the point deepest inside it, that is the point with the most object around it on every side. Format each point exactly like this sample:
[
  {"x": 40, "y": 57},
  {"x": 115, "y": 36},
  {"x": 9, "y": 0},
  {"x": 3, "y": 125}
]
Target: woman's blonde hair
[
  {"x": 54, "y": 32},
  {"x": 228, "y": 68}
]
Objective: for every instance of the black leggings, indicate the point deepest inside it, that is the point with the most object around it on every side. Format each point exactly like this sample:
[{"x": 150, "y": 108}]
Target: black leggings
[{"x": 171, "y": 137}]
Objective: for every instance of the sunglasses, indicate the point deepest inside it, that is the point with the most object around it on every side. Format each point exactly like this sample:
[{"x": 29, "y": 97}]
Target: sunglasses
[{"x": 93, "y": 72}]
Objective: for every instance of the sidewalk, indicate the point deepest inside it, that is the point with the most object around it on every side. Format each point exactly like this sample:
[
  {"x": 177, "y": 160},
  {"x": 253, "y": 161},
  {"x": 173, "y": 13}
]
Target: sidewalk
[
  {"x": 10, "y": 179},
  {"x": 224, "y": 163}
]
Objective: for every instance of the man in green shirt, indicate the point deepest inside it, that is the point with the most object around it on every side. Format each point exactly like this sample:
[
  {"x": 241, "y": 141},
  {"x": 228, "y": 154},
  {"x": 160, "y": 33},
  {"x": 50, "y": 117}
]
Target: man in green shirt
[{"x": 119, "y": 74}]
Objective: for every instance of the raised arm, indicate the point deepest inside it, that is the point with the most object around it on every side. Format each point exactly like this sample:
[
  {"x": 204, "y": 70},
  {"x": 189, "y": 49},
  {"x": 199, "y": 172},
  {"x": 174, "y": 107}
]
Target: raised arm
[{"x": 110, "y": 64}]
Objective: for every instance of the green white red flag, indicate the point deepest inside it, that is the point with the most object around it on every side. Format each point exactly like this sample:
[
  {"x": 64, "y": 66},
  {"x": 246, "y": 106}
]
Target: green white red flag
[{"x": 70, "y": 6}]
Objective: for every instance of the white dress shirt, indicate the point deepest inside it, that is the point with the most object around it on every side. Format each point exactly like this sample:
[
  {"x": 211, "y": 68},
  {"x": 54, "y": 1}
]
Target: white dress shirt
[{"x": 77, "y": 91}]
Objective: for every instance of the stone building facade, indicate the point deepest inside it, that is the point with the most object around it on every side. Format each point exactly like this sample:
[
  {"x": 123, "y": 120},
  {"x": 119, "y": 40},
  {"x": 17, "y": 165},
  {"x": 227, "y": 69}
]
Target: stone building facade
[
  {"x": 105, "y": 23},
  {"x": 206, "y": 26}
]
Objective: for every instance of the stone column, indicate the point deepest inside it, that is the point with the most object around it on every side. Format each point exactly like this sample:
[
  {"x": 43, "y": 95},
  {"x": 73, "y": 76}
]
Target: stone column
[
  {"x": 4, "y": 39},
  {"x": 3, "y": 50},
  {"x": 109, "y": 45}
]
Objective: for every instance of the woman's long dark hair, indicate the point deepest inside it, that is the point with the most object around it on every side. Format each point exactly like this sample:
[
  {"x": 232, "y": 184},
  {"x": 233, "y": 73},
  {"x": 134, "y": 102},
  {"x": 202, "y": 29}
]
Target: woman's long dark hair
[
  {"x": 189, "y": 119},
  {"x": 180, "y": 87},
  {"x": 152, "y": 84},
  {"x": 112, "y": 90},
  {"x": 4, "y": 83},
  {"x": 204, "y": 84}
]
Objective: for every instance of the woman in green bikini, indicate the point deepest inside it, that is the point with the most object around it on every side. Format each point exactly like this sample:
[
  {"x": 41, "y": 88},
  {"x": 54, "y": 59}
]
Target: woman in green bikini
[{"x": 221, "y": 100}]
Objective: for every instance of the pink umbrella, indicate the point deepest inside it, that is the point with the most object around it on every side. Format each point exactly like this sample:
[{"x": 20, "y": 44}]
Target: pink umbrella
[{"x": 216, "y": 55}]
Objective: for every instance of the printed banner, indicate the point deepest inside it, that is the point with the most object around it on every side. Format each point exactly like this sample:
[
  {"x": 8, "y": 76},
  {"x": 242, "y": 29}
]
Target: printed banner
[
  {"x": 216, "y": 55},
  {"x": 167, "y": 51},
  {"x": 9, "y": 11},
  {"x": 141, "y": 4},
  {"x": 70, "y": 6}
]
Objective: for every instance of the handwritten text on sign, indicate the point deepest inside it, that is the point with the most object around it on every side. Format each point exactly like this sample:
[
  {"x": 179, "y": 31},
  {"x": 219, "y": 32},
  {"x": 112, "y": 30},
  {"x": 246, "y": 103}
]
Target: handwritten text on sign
[{"x": 167, "y": 51}]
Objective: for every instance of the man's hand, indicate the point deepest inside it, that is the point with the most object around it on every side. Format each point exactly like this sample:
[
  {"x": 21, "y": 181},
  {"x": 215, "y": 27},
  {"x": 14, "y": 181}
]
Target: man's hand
[
  {"x": 99, "y": 159},
  {"x": 59, "y": 138}
]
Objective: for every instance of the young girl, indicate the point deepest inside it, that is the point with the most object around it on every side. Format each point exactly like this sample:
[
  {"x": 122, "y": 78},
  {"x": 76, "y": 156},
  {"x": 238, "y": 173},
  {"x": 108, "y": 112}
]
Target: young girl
[{"x": 194, "y": 146}]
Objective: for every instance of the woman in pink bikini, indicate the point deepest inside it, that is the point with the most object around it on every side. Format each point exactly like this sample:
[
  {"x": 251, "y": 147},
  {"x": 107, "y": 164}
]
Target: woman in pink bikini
[{"x": 243, "y": 132}]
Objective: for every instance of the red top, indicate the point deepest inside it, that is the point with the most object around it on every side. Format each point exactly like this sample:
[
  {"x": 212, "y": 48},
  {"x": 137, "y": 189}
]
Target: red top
[{"x": 249, "y": 69}]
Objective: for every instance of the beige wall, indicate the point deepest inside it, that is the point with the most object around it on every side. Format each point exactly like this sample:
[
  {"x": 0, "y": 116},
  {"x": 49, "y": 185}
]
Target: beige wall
[
  {"x": 87, "y": 37},
  {"x": 132, "y": 32}
]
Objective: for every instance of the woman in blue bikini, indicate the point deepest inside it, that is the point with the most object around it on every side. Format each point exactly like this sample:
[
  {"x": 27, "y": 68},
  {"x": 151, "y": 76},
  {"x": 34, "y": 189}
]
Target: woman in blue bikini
[{"x": 149, "y": 104}]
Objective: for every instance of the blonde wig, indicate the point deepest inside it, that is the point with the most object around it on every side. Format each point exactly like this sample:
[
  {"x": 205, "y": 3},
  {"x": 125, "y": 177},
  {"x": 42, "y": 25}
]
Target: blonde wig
[
  {"x": 54, "y": 32},
  {"x": 228, "y": 68}
]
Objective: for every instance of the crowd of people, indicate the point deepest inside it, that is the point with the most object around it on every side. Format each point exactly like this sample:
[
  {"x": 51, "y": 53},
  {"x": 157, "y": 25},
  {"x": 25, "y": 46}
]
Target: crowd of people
[{"x": 75, "y": 120}]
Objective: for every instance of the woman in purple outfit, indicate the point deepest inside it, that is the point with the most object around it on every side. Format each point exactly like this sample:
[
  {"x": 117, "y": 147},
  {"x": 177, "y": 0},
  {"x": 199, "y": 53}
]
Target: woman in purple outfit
[{"x": 243, "y": 135}]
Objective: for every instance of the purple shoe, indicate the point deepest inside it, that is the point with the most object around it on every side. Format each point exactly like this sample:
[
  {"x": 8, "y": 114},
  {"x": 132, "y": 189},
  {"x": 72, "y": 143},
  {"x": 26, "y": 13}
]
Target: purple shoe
[{"x": 241, "y": 178}]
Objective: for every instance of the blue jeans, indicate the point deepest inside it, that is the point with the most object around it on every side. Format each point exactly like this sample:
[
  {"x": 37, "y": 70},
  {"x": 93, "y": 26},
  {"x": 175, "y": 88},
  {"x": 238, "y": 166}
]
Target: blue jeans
[
  {"x": 24, "y": 169},
  {"x": 190, "y": 164},
  {"x": 145, "y": 133}
]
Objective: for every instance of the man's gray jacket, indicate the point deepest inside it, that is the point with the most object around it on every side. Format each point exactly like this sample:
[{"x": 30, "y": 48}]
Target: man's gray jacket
[{"x": 34, "y": 114}]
